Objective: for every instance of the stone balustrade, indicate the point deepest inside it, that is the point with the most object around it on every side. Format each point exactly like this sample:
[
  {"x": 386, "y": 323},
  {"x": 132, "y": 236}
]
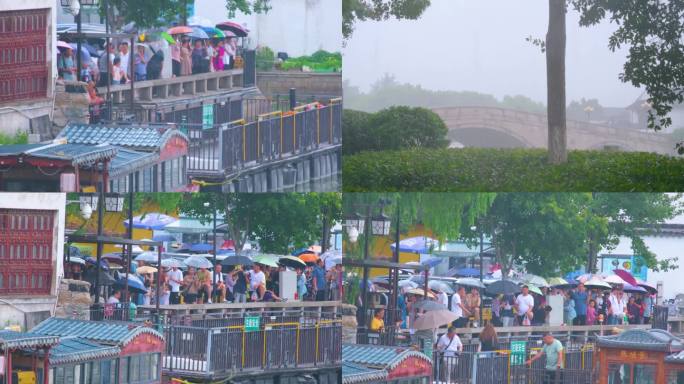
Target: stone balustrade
[{"x": 183, "y": 86}]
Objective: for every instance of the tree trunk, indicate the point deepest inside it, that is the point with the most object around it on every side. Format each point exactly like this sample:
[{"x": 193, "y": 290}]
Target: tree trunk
[{"x": 555, "y": 77}]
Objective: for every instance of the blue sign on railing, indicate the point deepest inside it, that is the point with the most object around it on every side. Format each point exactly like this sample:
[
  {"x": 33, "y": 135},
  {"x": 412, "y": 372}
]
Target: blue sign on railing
[{"x": 517, "y": 352}]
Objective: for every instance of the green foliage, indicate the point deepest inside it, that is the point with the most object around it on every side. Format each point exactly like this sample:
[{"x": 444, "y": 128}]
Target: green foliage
[
  {"x": 280, "y": 222},
  {"x": 516, "y": 170},
  {"x": 360, "y": 10},
  {"x": 18, "y": 138},
  {"x": 387, "y": 92},
  {"x": 265, "y": 58},
  {"x": 394, "y": 128},
  {"x": 247, "y": 6},
  {"x": 320, "y": 61}
]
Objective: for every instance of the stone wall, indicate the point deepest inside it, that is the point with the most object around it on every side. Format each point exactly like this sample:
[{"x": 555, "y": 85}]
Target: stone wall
[
  {"x": 328, "y": 85},
  {"x": 74, "y": 299},
  {"x": 349, "y": 323}
]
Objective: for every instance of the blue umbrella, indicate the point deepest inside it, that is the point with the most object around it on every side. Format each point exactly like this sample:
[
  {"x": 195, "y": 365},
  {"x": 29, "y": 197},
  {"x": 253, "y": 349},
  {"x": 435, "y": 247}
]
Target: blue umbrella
[
  {"x": 420, "y": 244},
  {"x": 226, "y": 252},
  {"x": 85, "y": 55},
  {"x": 201, "y": 247},
  {"x": 151, "y": 221},
  {"x": 197, "y": 33},
  {"x": 93, "y": 261},
  {"x": 74, "y": 251},
  {"x": 163, "y": 237},
  {"x": 467, "y": 272},
  {"x": 134, "y": 284},
  {"x": 198, "y": 262},
  {"x": 433, "y": 262}
]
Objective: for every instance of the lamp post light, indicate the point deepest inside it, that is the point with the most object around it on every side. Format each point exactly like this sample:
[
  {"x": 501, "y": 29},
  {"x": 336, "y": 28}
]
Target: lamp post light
[
  {"x": 106, "y": 202},
  {"x": 213, "y": 271},
  {"x": 474, "y": 228},
  {"x": 589, "y": 109}
]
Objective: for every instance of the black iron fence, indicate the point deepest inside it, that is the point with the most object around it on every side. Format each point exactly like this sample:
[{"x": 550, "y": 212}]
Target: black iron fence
[
  {"x": 506, "y": 366},
  {"x": 272, "y": 136},
  {"x": 253, "y": 345}
]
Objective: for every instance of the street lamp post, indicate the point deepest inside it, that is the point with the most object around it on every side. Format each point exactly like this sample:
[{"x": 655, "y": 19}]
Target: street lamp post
[
  {"x": 75, "y": 9},
  {"x": 207, "y": 205}
]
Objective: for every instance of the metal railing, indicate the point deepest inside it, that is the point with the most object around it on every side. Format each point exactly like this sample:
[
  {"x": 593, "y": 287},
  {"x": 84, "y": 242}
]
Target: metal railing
[
  {"x": 272, "y": 136},
  {"x": 237, "y": 346},
  {"x": 504, "y": 367}
]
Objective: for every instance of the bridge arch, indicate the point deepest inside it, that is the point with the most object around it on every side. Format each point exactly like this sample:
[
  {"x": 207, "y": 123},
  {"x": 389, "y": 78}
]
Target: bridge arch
[{"x": 487, "y": 137}]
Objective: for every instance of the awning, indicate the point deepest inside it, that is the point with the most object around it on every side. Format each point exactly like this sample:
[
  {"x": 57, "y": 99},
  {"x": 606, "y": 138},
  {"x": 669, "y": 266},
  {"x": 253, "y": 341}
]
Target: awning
[{"x": 15, "y": 340}]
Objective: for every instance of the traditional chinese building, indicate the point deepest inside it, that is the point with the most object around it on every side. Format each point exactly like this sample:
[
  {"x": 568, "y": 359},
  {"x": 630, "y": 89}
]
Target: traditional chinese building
[
  {"x": 674, "y": 365},
  {"x": 144, "y": 158},
  {"x": 120, "y": 352},
  {"x": 31, "y": 253},
  {"x": 636, "y": 356},
  {"x": 384, "y": 364}
]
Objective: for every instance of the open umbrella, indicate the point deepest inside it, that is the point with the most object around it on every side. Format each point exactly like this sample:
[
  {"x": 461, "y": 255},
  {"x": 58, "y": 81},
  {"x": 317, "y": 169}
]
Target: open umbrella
[
  {"x": 201, "y": 247},
  {"x": 534, "y": 289},
  {"x": 647, "y": 286},
  {"x": 93, "y": 261},
  {"x": 505, "y": 287},
  {"x": 434, "y": 319},
  {"x": 166, "y": 36},
  {"x": 596, "y": 282},
  {"x": 535, "y": 280},
  {"x": 170, "y": 263},
  {"x": 292, "y": 262},
  {"x": 440, "y": 286},
  {"x": 302, "y": 251},
  {"x": 146, "y": 269},
  {"x": 267, "y": 260},
  {"x": 134, "y": 284},
  {"x": 633, "y": 288},
  {"x": 332, "y": 258},
  {"x": 213, "y": 32},
  {"x": 419, "y": 244},
  {"x": 113, "y": 258},
  {"x": 309, "y": 258},
  {"x": 557, "y": 282},
  {"x": 197, "y": 261},
  {"x": 407, "y": 284},
  {"x": 626, "y": 276},
  {"x": 85, "y": 55},
  {"x": 470, "y": 282},
  {"x": 614, "y": 279},
  {"x": 236, "y": 28},
  {"x": 432, "y": 262},
  {"x": 148, "y": 257},
  {"x": 428, "y": 305},
  {"x": 179, "y": 30},
  {"x": 136, "y": 249},
  {"x": 420, "y": 292},
  {"x": 151, "y": 221},
  {"x": 197, "y": 33},
  {"x": 63, "y": 44},
  {"x": 466, "y": 272},
  {"x": 76, "y": 260},
  {"x": 164, "y": 237},
  {"x": 226, "y": 252},
  {"x": 237, "y": 260}
]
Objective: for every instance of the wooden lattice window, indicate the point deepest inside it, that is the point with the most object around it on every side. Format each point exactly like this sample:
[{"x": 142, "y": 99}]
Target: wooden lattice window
[
  {"x": 26, "y": 251},
  {"x": 23, "y": 55}
]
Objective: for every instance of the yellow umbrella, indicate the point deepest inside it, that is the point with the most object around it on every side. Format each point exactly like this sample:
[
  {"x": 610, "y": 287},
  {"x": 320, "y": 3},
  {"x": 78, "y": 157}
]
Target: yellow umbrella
[{"x": 146, "y": 269}]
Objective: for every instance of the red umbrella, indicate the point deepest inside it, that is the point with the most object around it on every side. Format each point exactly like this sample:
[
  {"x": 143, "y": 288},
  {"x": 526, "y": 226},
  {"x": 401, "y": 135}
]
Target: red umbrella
[
  {"x": 236, "y": 28},
  {"x": 626, "y": 276},
  {"x": 309, "y": 258},
  {"x": 179, "y": 30}
]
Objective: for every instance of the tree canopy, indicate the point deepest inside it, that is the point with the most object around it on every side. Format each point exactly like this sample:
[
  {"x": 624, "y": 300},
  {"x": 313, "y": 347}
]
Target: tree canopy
[
  {"x": 361, "y": 10},
  {"x": 280, "y": 222},
  {"x": 393, "y": 128}
]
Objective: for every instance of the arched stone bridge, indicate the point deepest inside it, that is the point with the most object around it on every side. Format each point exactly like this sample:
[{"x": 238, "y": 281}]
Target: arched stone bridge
[{"x": 508, "y": 128}]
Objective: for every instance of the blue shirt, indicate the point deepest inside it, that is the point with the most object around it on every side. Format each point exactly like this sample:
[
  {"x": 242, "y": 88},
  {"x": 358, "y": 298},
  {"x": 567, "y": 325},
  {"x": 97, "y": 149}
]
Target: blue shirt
[
  {"x": 301, "y": 286},
  {"x": 319, "y": 274},
  {"x": 580, "y": 302}
]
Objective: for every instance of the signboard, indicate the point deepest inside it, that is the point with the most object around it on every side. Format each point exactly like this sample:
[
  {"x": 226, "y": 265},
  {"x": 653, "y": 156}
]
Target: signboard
[
  {"x": 517, "y": 352},
  {"x": 207, "y": 116},
  {"x": 487, "y": 314},
  {"x": 633, "y": 264},
  {"x": 252, "y": 323}
]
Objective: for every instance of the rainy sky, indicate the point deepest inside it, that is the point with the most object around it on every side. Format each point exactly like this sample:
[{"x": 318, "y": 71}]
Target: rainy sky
[{"x": 479, "y": 45}]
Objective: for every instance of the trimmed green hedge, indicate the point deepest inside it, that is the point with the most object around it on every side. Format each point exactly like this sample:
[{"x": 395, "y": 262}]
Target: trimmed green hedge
[{"x": 510, "y": 170}]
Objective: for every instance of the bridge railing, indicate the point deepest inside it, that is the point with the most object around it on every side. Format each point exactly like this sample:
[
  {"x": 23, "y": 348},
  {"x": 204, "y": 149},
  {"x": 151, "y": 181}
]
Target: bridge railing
[{"x": 272, "y": 136}]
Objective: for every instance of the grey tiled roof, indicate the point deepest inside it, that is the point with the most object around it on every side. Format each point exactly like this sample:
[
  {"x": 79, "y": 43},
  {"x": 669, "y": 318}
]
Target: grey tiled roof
[
  {"x": 99, "y": 331},
  {"x": 144, "y": 137},
  {"x": 354, "y": 373},
  {"x": 676, "y": 358},
  {"x": 127, "y": 160},
  {"x": 376, "y": 356},
  {"x": 77, "y": 154},
  {"x": 644, "y": 339},
  {"x": 13, "y": 340},
  {"x": 75, "y": 349}
]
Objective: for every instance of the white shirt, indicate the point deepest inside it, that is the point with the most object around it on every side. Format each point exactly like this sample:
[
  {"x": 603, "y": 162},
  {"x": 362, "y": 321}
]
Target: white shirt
[
  {"x": 112, "y": 300},
  {"x": 175, "y": 275},
  {"x": 443, "y": 299},
  {"x": 455, "y": 305},
  {"x": 617, "y": 305},
  {"x": 218, "y": 278},
  {"x": 524, "y": 303},
  {"x": 256, "y": 279},
  {"x": 449, "y": 346},
  {"x": 125, "y": 61}
]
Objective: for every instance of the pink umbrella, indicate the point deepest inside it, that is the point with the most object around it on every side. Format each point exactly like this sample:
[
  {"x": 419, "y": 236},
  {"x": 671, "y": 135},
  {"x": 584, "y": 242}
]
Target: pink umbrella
[
  {"x": 626, "y": 276},
  {"x": 63, "y": 44}
]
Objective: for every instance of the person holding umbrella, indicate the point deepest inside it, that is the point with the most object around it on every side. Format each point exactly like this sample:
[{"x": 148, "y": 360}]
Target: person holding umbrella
[
  {"x": 240, "y": 285},
  {"x": 320, "y": 284},
  {"x": 219, "y": 284},
  {"x": 66, "y": 66},
  {"x": 186, "y": 58},
  {"x": 301, "y": 284},
  {"x": 140, "y": 64},
  {"x": 191, "y": 286},
  {"x": 459, "y": 308},
  {"x": 175, "y": 276}
]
